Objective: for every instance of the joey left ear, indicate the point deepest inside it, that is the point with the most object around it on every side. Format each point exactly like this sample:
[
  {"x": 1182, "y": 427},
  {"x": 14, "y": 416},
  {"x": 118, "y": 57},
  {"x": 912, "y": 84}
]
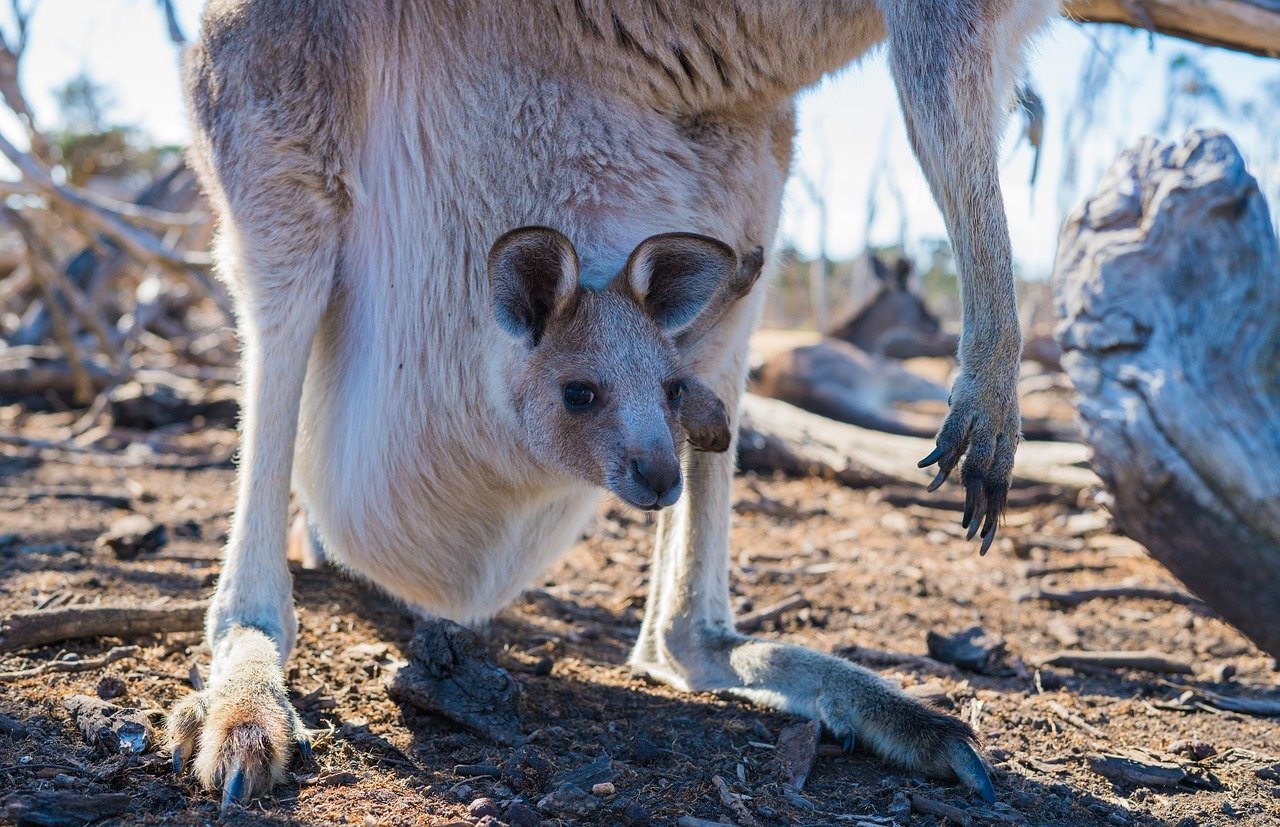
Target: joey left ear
[
  {"x": 674, "y": 275},
  {"x": 533, "y": 273}
]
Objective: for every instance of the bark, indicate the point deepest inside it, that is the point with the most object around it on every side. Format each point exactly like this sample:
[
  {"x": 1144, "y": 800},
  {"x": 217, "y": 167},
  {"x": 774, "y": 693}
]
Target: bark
[
  {"x": 1168, "y": 286},
  {"x": 1242, "y": 25}
]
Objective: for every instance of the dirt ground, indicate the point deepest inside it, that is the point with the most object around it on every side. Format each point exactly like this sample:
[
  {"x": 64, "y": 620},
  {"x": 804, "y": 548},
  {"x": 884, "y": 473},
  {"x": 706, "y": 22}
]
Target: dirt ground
[{"x": 876, "y": 578}]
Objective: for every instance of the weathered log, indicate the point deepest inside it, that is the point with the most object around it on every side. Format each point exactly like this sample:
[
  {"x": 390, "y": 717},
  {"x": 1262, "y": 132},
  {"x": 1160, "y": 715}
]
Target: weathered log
[
  {"x": 1168, "y": 286},
  {"x": 1243, "y": 25},
  {"x": 775, "y": 436},
  {"x": 38, "y": 627}
]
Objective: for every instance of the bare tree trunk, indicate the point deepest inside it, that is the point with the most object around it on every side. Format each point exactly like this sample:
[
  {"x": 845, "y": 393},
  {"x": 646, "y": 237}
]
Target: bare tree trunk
[
  {"x": 1243, "y": 25},
  {"x": 1168, "y": 283}
]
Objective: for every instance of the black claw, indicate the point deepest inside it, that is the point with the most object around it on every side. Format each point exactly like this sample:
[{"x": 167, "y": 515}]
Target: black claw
[
  {"x": 933, "y": 457},
  {"x": 849, "y": 742},
  {"x": 987, "y": 540},
  {"x": 304, "y": 749},
  {"x": 233, "y": 793},
  {"x": 969, "y": 768},
  {"x": 939, "y": 480},
  {"x": 178, "y": 760}
]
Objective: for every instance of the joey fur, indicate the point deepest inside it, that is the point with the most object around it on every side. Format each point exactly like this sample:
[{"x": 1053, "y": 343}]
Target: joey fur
[{"x": 362, "y": 156}]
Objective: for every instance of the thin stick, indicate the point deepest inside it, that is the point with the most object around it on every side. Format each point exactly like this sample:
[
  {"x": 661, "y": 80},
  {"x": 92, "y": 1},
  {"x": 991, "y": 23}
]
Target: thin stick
[
  {"x": 85, "y": 665},
  {"x": 1078, "y": 596},
  {"x": 752, "y": 621},
  {"x": 40, "y": 627},
  {"x": 1074, "y": 719},
  {"x": 1146, "y": 661},
  {"x": 929, "y": 806}
]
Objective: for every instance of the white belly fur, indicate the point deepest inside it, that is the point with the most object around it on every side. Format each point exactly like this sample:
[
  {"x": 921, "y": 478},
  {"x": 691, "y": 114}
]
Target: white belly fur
[{"x": 408, "y": 459}]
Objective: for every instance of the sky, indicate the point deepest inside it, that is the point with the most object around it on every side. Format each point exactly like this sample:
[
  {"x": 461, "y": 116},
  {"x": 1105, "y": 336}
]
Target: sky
[{"x": 848, "y": 125}]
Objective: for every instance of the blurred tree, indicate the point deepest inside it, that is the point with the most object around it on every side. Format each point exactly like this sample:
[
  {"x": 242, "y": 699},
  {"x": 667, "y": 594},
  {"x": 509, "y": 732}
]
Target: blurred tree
[{"x": 91, "y": 146}]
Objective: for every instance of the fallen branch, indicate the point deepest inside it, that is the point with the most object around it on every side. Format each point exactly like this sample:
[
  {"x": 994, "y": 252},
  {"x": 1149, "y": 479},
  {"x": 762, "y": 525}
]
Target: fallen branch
[
  {"x": 83, "y": 665},
  {"x": 40, "y": 627},
  {"x": 1264, "y": 707},
  {"x": 753, "y": 621},
  {"x": 932, "y": 807},
  {"x": 1166, "y": 281},
  {"x": 1145, "y": 661},
  {"x": 62, "y": 808},
  {"x": 1077, "y": 596}
]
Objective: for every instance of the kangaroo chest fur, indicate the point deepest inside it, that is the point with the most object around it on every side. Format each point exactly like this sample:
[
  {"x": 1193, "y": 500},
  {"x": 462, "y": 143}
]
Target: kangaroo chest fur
[{"x": 409, "y": 462}]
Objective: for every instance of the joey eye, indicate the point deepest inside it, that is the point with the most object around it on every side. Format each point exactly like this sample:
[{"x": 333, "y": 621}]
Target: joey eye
[
  {"x": 578, "y": 396},
  {"x": 675, "y": 392}
]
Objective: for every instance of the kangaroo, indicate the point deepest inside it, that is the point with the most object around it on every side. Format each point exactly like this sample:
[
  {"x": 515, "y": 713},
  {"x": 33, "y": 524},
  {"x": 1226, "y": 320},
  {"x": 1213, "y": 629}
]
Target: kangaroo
[
  {"x": 362, "y": 156},
  {"x": 895, "y": 321}
]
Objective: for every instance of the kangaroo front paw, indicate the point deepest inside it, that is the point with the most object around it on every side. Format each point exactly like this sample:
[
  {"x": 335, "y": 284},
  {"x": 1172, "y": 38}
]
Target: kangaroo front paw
[
  {"x": 239, "y": 734},
  {"x": 906, "y": 732},
  {"x": 984, "y": 427}
]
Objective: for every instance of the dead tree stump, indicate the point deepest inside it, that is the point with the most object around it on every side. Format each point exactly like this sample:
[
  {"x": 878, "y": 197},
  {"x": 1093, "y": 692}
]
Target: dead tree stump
[{"x": 1168, "y": 288}]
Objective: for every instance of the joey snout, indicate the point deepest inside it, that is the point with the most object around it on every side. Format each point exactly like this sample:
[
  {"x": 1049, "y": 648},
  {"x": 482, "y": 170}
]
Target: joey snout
[{"x": 651, "y": 478}]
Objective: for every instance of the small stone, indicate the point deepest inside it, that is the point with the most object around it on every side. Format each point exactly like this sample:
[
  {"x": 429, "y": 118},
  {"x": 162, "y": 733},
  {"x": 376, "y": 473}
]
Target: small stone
[
  {"x": 132, "y": 536},
  {"x": 520, "y": 814},
  {"x": 570, "y": 800},
  {"x": 604, "y": 788},
  {"x": 482, "y": 807},
  {"x": 543, "y": 667},
  {"x": 643, "y": 751},
  {"x": 973, "y": 649},
  {"x": 900, "y": 808},
  {"x": 528, "y": 768},
  {"x": 110, "y": 686},
  {"x": 1193, "y": 748}
]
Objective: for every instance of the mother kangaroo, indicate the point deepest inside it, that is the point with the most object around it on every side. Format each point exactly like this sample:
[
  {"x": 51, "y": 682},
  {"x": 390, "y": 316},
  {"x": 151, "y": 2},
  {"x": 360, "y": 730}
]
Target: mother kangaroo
[{"x": 363, "y": 155}]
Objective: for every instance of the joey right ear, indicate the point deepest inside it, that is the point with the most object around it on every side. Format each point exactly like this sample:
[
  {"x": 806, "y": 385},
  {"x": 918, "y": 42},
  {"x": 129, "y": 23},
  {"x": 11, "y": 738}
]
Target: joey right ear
[{"x": 533, "y": 273}]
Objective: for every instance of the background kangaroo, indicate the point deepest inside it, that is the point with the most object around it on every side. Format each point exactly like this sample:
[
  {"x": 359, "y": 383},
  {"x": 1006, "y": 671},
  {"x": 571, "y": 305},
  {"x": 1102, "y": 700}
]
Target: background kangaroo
[{"x": 362, "y": 156}]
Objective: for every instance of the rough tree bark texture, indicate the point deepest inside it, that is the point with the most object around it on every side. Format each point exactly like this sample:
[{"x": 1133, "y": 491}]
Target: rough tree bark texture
[
  {"x": 1243, "y": 25},
  {"x": 1168, "y": 286}
]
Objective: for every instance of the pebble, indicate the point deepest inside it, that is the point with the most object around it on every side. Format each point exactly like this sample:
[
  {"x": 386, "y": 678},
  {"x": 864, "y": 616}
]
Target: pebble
[
  {"x": 520, "y": 814},
  {"x": 131, "y": 536},
  {"x": 604, "y": 788},
  {"x": 482, "y": 807}
]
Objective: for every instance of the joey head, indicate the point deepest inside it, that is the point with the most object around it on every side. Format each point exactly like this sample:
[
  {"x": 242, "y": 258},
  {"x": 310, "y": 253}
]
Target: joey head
[{"x": 600, "y": 389}]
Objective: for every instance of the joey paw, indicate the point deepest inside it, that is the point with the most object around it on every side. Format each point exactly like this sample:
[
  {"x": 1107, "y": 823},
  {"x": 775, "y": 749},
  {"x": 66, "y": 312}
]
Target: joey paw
[{"x": 983, "y": 427}]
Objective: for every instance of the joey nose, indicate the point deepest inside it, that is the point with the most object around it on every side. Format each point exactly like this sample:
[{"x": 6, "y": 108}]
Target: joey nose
[{"x": 660, "y": 473}]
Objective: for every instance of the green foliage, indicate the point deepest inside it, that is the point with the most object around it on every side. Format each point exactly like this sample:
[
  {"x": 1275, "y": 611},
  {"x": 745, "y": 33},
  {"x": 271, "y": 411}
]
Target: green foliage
[{"x": 90, "y": 145}]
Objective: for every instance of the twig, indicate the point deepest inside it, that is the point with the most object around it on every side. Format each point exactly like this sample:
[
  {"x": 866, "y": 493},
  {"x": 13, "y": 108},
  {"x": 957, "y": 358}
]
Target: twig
[
  {"x": 929, "y": 806},
  {"x": 1078, "y": 596},
  {"x": 881, "y": 657},
  {"x": 1146, "y": 661},
  {"x": 85, "y": 665},
  {"x": 28, "y": 629},
  {"x": 1074, "y": 719},
  {"x": 1265, "y": 707},
  {"x": 733, "y": 801},
  {"x": 753, "y": 621}
]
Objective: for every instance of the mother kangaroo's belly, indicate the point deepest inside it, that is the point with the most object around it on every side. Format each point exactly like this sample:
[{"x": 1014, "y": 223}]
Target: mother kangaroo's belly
[{"x": 409, "y": 460}]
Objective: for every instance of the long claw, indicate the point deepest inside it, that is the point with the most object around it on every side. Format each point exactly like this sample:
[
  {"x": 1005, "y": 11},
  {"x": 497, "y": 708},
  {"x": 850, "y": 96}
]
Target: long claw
[
  {"x": 304, "y": 749},
  {"x": 849, "y": 742},
  {"x": 969, "y": 768},
  {"x": 987, "y": 540},
  {"x": 933, "y": 457},
  {"x": 233, "y": 793},
  {"x": 939, "y": 480},
  {"x": 179, "y": 760}
]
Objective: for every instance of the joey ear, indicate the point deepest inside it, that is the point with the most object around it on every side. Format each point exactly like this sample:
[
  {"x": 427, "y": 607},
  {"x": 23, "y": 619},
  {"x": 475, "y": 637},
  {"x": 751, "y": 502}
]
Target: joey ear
[
  {"x": 674, "y": 275},
  {"x": 902, "y": 271},
  {"x": 533, "y": 273}
]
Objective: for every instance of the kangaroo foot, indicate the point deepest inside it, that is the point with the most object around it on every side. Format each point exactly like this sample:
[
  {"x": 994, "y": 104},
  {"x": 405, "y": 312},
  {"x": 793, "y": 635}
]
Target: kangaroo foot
[{"x": 238, "y": 734}]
